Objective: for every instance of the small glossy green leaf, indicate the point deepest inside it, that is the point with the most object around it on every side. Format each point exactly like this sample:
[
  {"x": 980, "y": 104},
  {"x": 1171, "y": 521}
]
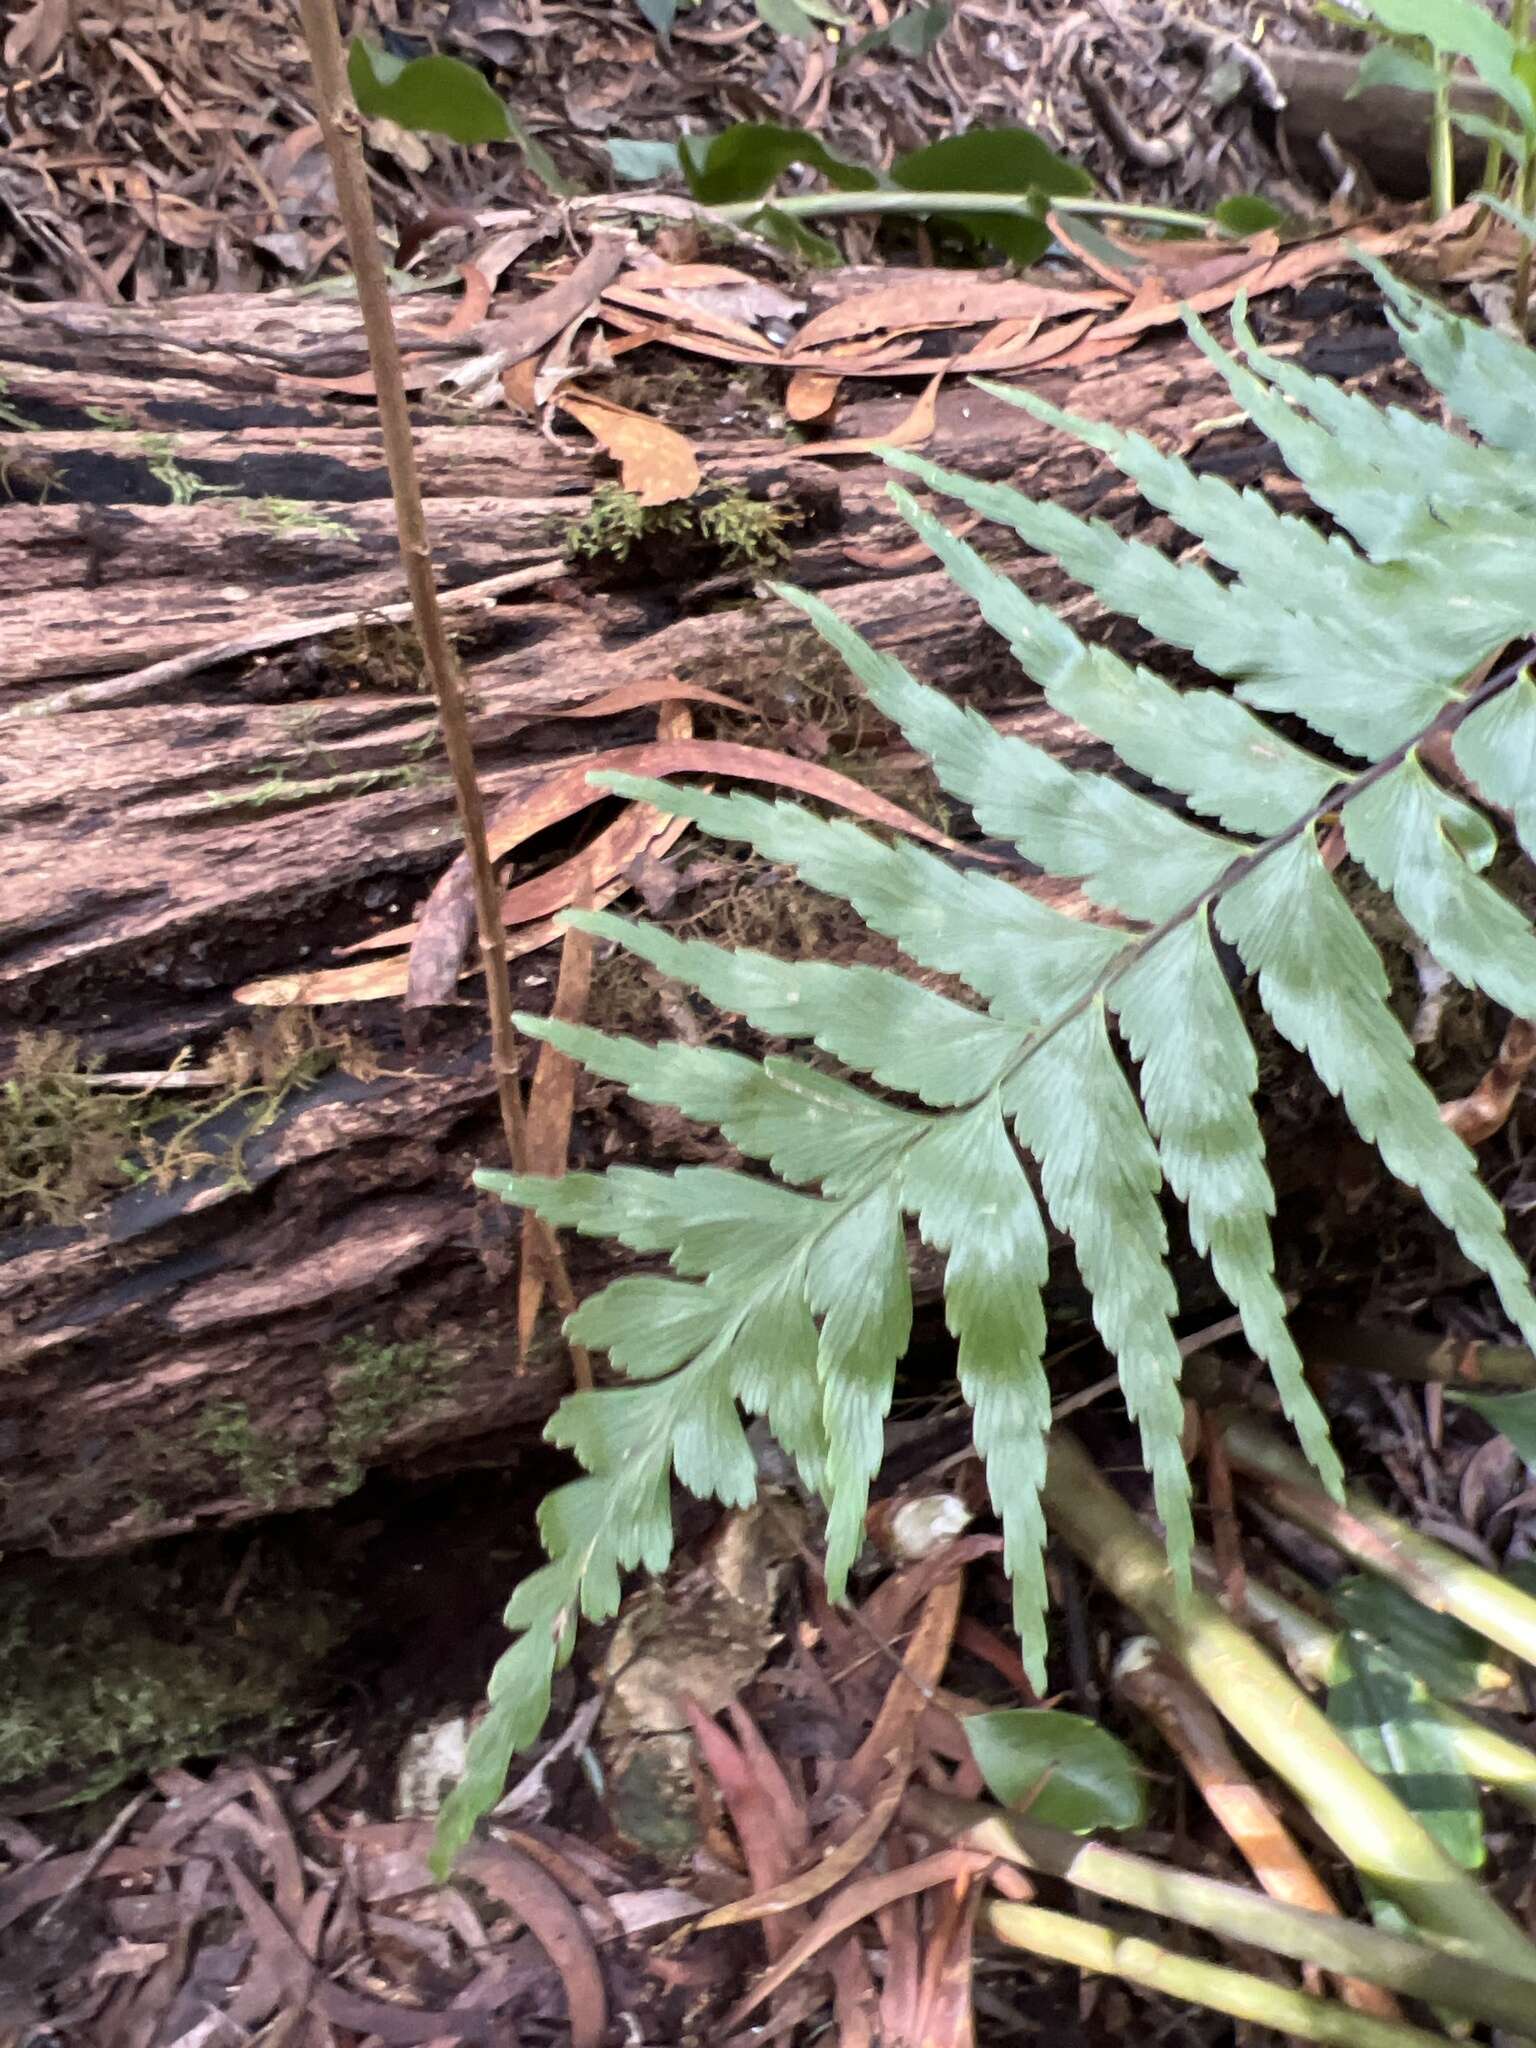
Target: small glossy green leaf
[
  {"x": 432, "y": 95},
  {"x": 660, "y": 14},
  {"x": 793, "y": 234},
  {"x": 1389, "y": 1720},
  {"x": 640, "y": 162},
  {"x": 1388, "y": 64},
  {"x": 441, "y": 96},
  {"x": 1246, "y": 213},
  {"x": 744, "y": 161},
  {"x": 912, "y": 34},
  {"x": 787, "y": 18},
  {"x": 1512, "y": 1415},
  {"x": 1002, "y": 160},
  {"x": 1060, "y": 1769}
]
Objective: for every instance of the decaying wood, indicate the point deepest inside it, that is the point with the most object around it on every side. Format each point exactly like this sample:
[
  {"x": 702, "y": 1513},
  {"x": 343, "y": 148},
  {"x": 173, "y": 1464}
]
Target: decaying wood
[{"x": 257, "y": 816}]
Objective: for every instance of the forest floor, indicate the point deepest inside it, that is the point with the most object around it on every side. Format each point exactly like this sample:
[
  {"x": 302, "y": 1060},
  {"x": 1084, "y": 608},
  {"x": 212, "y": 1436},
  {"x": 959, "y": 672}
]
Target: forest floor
[{"x": 220, "y": 1749}]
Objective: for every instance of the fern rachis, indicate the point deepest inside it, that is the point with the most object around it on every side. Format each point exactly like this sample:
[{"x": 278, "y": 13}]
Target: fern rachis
[{"x": 789, "y": 1294}]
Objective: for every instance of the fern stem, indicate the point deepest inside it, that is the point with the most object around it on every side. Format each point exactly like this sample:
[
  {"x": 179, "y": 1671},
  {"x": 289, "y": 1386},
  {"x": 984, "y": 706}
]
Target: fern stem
[
  {"x": 1442, "y": 145},
  {"x": 1527, "y": 204},
  {"x": 1438, "y": 1577},
  {"x": 1443, "y": 724},
  {"x": 1293, "y": 2014},
  {"x": 1368, "y": 1824},
  {"x": 1230, "y": 1911},
  {"x": 339, "y": 126}
]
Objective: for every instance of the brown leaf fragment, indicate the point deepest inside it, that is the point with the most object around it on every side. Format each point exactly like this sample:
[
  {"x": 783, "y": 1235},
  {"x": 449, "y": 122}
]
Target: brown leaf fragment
[
  {"x": 524, "y": 331},
  {"x": 910, "y": 432},
  {"x": 655, "y": 462},
  {"x": 551, "y": 1107}
]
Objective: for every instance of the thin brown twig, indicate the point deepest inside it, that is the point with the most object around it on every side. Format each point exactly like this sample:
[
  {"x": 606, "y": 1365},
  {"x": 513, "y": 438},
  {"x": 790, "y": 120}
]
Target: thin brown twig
[{"x": 339, "y": 125}]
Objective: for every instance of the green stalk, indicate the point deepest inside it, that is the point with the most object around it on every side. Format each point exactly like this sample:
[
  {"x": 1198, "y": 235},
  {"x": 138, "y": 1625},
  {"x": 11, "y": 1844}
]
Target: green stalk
[
  {"x": 1368, "y": 1824},
  {"x": 1311, "y": 1648},
  {"x": 1411, "y": 1354},
  {"x": 824, "y": 205},
  {"x": 1438, "y": 1577},
  {"x": 1293, "y": 2014},
  {"x": 1230, "y": 1911},
  {"x": 1442, "y": 145},
  {"x": 1527, "y": 205}
]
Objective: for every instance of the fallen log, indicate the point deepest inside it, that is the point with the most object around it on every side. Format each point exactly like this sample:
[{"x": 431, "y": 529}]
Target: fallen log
[{"x": 193, "y": 1347}]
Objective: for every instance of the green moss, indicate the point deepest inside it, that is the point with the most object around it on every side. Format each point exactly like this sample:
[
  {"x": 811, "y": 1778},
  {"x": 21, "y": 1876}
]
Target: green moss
[
  {"x": 63, "y": 1142},
  {"x": 260, "y": 1464},
  {"x": 378, "y": 1387},
  {"x": 744, "y": 532},
  {"x": 122, "y": 1666},
  {"x": 749, "y": 532}
]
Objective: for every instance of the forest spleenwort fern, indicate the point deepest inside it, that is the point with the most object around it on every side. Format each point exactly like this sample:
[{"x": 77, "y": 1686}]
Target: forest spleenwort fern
[{"x": 791, "y": 1297}]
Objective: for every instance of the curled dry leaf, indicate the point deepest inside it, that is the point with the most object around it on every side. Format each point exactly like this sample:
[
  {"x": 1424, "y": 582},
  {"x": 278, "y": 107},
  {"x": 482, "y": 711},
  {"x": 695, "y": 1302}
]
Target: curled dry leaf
[
  {"x": 811, "y": 395},
  {"x": 656, "y": 462},
  {"x": 1478, "y": 1116}
]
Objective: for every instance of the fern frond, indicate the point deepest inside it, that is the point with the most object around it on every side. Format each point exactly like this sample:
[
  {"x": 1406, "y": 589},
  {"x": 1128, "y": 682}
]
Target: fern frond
[
  {"x": 1485, "y": 377},
  {"x": 789, "y": 1295}
]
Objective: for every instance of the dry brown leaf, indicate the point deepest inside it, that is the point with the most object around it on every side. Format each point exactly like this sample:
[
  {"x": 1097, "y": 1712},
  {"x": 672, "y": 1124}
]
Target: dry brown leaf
[
  {"x": 1475, "y": 1118},
  {"x": 468, "y": 313},
  {"x": 811, "y": 395},
  {"x": 370, "y": 981},
  {"x": 686, "y": 313},
  {"x": 551, "y": 1107},
  {"x": 447, "y": 918},
  {"x": 34, "y": 37},
  {"x": 853, "y": 1904},
  {"x": 655, "y": 462},
  {"x": 662, "y": 690},
  {"x": 941, "y": 299},
  {"x": 519, "y": 385},
  {"x": 911, "y": 432},
  {"x": 831, "y": 1869},
  {"x": 525, "y": 331}
]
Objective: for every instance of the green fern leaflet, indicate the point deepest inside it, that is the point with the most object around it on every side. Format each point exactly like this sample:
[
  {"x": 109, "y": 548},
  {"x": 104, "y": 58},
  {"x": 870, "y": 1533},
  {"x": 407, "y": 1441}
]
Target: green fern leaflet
[{"x": 788, "y": 1294}]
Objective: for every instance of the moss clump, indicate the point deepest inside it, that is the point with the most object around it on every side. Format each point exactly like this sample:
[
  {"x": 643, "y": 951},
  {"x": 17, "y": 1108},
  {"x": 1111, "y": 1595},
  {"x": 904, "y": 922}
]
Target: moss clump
[
  {"x": 739, "y": 530},
  {"x": 63, "y": 1142},
  {"x": 261, "y": 1465},
  {"x": 379, "y": 1387},
  {"x": 66, "y": 1142},
  {"x": 118, "y": 1667}
]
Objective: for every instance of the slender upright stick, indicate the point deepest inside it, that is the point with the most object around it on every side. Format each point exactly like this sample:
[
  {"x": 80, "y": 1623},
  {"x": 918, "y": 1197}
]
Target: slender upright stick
[{"x": 339, "y": 125}]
